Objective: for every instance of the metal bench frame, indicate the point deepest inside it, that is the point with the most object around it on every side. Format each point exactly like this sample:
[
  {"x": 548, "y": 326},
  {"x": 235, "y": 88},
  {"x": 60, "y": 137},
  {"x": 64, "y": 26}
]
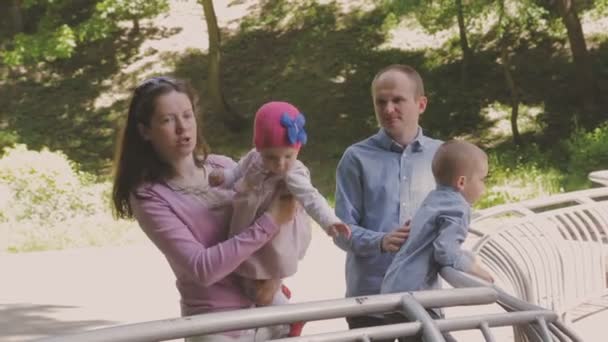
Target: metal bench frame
[{"x": 551, "y": 252}]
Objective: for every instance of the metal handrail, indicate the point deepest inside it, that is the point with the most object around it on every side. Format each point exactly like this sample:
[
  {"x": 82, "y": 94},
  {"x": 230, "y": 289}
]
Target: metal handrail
[
  {"x": 267, "y": 316},
  {"x": 599, "y": 177},
  {"x": 543, "y": 324}
]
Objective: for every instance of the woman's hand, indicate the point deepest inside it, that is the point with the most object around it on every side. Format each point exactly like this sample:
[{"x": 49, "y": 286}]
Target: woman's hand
[{"x": 282, "y": 208}]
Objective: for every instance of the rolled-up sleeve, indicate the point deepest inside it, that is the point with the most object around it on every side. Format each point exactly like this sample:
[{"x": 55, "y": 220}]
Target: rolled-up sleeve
[{"x": 453, "y": 227}]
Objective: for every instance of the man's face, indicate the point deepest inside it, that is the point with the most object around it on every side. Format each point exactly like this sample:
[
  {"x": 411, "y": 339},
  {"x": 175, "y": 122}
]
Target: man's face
[{"x": 396, "y": 104}]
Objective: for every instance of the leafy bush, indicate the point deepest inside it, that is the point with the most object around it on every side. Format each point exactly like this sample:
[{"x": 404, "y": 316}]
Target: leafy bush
[
  {"x": 55, "y": 40},
  {"x": 46, "y": 204},
  {"x": 517, "y": 175},
  {"x": 587, "y": 151}
]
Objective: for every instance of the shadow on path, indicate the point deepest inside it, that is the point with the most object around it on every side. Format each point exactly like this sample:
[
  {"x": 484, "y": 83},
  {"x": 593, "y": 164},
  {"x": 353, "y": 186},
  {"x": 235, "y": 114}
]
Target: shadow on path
[{"x": 24, "y": 321}]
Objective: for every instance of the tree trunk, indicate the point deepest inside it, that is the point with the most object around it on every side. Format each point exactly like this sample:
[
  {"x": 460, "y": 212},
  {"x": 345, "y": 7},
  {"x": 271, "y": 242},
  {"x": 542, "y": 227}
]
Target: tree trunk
[
  {"x": 467, "y": 54},
  {"x": 15, "y": 15},
  {"x": 580, "y": 54},
  {"x": 506, "y": 67},
  {"x": 216, "y": 99},
  {"x": 136, "y": 27}
]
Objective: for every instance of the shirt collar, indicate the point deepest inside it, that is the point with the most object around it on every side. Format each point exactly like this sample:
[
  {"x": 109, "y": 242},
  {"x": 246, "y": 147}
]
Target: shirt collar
[
  {"x": 453, "y": 190},
  {"x": 387, "y": 143},
  {"x": 446, "y": 188}
]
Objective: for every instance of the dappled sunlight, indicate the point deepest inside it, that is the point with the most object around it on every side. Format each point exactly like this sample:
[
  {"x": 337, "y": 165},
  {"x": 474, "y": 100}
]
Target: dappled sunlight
[
  {"x": 500, "y": 116},
  {"x": 408, "y": 35}
]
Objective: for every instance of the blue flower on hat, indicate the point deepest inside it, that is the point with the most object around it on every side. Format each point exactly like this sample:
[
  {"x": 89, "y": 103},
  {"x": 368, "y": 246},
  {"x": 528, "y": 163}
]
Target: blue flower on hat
[{"x": 295, "y": 128}]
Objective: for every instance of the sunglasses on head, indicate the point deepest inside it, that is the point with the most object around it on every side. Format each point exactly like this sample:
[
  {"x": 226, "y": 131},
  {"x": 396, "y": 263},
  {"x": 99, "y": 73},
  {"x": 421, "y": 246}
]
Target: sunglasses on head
[{"x": 154, "y": 81}]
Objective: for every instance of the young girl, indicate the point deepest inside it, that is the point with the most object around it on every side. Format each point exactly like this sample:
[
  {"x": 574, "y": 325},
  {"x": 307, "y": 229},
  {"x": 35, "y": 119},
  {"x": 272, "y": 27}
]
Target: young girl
[{"x": 271, "y": 168}]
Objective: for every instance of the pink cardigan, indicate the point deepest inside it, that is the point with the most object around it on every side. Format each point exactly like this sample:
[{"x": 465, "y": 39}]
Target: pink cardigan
[{"x": 193, "y": 239}]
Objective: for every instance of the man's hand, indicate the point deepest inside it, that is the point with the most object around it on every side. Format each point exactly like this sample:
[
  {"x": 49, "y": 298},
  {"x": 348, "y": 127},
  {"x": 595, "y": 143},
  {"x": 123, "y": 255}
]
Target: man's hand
[
  {"x": 391, "y": 242},
  {"x": 216, "y": 178},
  {"x": 339, "y": 228}
]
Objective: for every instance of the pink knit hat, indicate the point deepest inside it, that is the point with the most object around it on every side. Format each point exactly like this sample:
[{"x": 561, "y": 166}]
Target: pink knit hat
[{"x": 279, "y": 124}]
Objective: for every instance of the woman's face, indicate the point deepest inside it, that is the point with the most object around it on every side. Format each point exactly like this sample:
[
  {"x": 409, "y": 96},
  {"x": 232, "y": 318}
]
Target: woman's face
[{"x": 172, "y": 129}]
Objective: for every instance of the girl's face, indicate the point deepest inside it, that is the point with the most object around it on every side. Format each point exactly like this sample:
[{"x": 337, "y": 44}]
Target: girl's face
[
  {"x": 172, "y": 128},
  {"x": 278, "y": 159}
]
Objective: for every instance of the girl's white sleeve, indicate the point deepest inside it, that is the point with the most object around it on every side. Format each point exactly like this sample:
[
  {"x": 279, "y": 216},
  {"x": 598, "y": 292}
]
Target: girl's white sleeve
[
  {"x": 233, "y": 174},
  {"x": 299, "y": 184}
]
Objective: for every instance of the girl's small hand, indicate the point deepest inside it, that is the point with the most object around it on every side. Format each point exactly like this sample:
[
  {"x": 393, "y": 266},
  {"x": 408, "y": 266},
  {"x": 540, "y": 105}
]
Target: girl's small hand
[
  {"x": 216, "y": 178},
  {"x": 339, "y": 229}
]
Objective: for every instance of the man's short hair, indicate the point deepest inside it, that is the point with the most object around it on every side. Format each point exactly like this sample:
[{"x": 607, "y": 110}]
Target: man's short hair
[{"x": 408, "y": 71}]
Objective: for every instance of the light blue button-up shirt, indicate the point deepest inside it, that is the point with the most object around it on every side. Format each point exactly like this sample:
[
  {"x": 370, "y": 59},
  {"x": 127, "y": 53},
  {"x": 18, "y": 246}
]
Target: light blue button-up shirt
[
  {"x": 379, "y": 186},
  {"x": 439, "y": 228}
]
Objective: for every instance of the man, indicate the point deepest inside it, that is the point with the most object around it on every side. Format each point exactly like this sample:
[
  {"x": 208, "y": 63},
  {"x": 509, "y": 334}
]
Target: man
[{"x": 381, "y": 182}]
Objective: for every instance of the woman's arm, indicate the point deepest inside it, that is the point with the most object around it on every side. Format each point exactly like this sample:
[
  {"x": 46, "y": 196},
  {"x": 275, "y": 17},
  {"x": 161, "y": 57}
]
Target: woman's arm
[{"x": 207, "y": 264}]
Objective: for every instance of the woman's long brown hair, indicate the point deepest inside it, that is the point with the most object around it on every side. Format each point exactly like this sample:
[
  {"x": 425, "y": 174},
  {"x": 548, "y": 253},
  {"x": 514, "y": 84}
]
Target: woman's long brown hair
[{"x": 136, "y": 162}]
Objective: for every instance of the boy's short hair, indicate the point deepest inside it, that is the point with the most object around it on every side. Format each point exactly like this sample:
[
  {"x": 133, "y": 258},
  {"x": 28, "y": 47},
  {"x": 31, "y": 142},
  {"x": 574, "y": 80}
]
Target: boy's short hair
[{"x": 456, "y": 158}]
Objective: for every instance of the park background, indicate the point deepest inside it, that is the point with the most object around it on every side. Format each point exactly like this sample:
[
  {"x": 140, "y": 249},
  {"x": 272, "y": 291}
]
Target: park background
[{"x": 525, "y": 79}]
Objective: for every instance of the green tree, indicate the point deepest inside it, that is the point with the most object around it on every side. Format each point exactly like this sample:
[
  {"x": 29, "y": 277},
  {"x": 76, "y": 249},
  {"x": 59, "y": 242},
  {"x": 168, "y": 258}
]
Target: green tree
[
  {"x": 444, "y": 14},
  {"x": 217, "y": 100},
  {"x": 587, "y": 86},
  {"x": 57, "y": 35},
  {"x": 15, "y": 17}
]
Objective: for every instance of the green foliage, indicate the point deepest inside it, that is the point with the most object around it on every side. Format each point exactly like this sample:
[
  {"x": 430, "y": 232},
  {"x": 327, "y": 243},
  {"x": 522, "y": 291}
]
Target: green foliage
[
  {"x": 47, "y": 204},
  {"x": 48, "y": 45},
  {"x": 58, "y": 38},
  {"x": 8, "y": 138},
  {"x": 438, "y": 15},
  {"x": 519, "y": 174},
  {"x": 523, "y": 21},
  {"x": 130, "y": 9},
  {"x": 587, "y": 151},
  {"x": 601, "y": 7}
]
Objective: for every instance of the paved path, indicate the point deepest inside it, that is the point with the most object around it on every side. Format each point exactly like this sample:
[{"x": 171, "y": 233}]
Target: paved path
[{"x": 51, "y": 293}]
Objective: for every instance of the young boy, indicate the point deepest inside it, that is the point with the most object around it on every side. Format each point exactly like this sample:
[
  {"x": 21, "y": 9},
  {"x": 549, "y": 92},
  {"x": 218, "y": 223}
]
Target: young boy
[{"x": 440, "y": 226}]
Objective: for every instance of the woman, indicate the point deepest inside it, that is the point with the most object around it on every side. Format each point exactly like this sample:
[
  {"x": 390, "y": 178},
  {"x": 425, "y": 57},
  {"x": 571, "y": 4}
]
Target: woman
[{"x": 161, "y": 179}]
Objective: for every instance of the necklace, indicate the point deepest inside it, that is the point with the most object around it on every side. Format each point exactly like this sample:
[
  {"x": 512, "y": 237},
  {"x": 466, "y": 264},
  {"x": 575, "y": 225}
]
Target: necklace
[
  {"x": 194, "y": 185},
  {"x": 197, "y": 190},
  {"x": 201, "y": 190}
]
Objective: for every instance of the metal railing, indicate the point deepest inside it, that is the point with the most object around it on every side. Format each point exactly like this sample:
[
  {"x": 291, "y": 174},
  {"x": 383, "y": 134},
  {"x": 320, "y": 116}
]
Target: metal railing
[
  {"x": 505, "y": 212},
  {"x": 553, "y": 254},
  {"x": 543, "y": 325},
  {"x": 599, "y": 177}
]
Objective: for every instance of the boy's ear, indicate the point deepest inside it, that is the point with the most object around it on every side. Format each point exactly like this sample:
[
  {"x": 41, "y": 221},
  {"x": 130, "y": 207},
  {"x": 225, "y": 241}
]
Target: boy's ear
[{"x": 460, "y": 182}]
